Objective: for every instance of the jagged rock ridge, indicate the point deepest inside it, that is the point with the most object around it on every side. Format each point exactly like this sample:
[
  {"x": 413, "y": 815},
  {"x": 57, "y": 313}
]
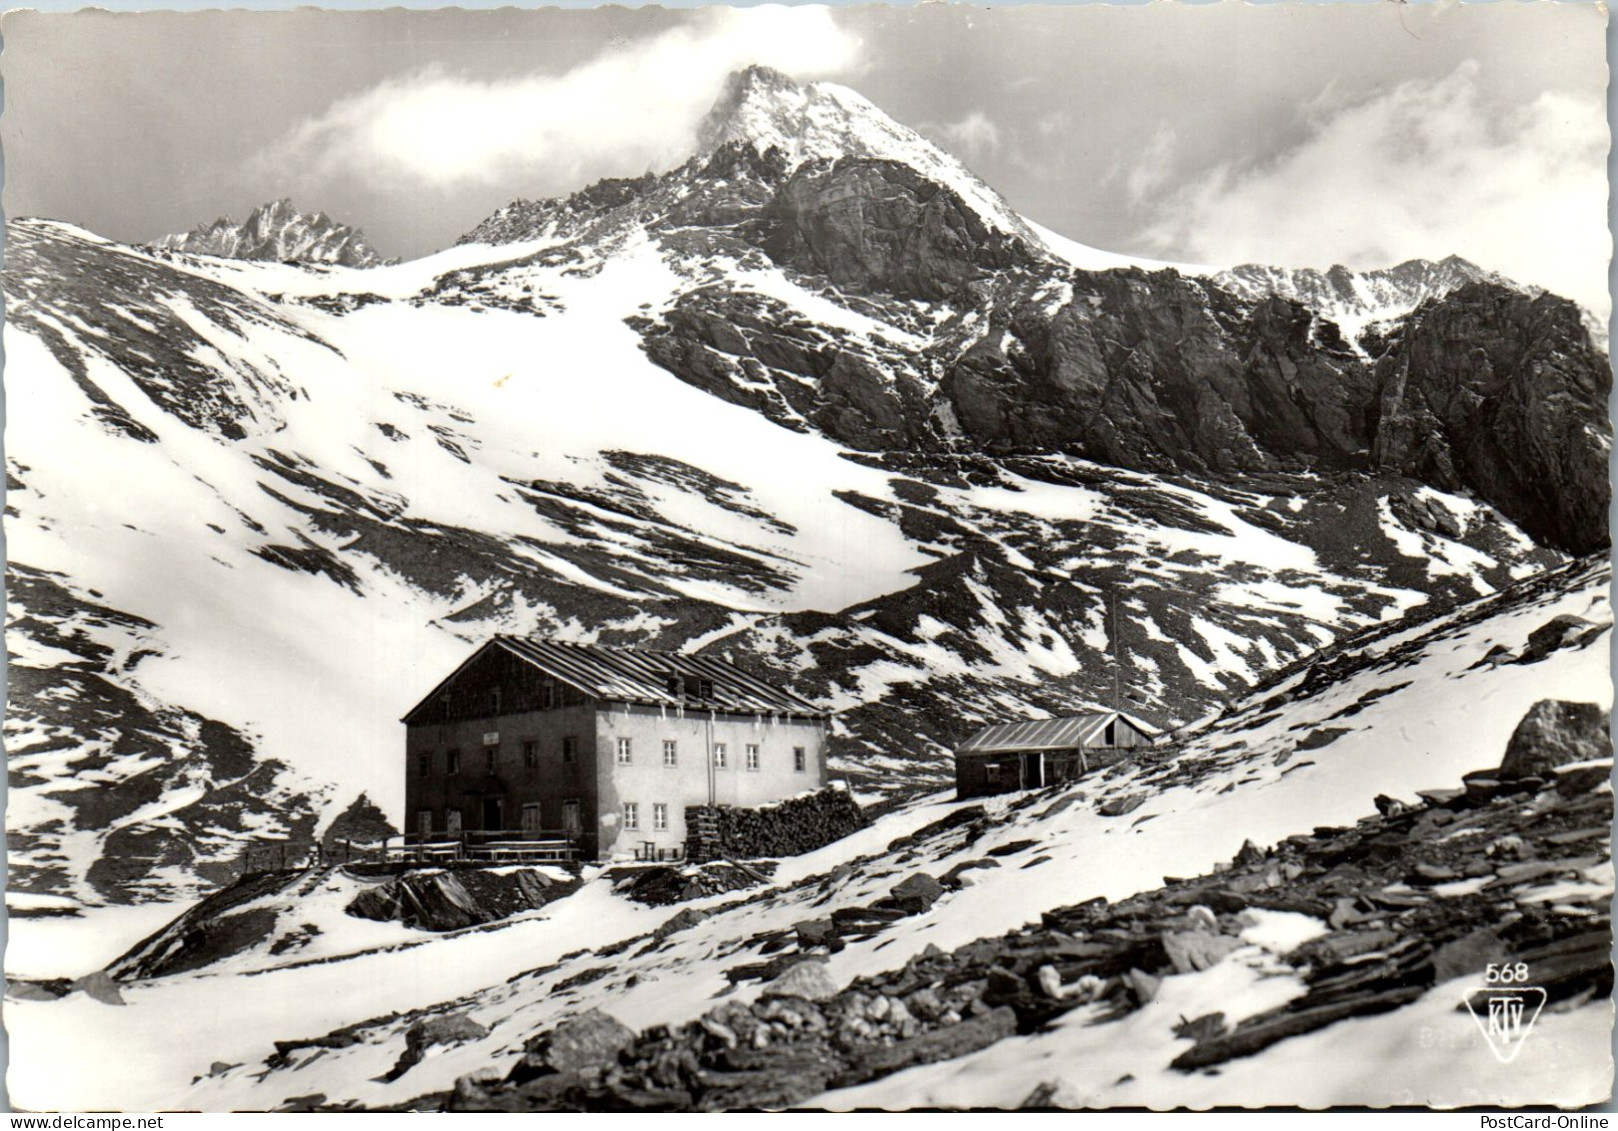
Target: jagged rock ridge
[{"x": 278, "y": 232}]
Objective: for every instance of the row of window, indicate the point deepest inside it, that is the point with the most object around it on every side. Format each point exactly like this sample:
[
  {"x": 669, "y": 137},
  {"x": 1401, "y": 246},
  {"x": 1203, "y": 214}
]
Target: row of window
[
  {"x": 531, "y": 822},
  {"x": 721, "y": 755},
  {"x": 625, "y": 756},
  {"x": 660, "y": 816},
  {"x": 530, "y": 757}
]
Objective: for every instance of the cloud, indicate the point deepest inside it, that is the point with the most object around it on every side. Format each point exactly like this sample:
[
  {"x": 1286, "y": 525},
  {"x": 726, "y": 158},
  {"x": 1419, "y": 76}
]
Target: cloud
[
  {"x": 1427, "y": 168},
  {"x": 1149, "y": 172},
  {"x": 633, "y": 107},
  {"x": 972, "y": 137}
]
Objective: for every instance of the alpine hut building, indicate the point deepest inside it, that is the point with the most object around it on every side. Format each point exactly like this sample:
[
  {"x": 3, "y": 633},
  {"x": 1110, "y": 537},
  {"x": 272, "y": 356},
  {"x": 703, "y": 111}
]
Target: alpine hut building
[
  {"x": 1003, "y": 757},
  {"x": 602, "y": 747}
]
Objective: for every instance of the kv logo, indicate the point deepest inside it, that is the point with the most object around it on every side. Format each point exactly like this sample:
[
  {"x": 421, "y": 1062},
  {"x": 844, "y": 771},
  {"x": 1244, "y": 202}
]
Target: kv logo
[{"x": 1505, "y": 1009}]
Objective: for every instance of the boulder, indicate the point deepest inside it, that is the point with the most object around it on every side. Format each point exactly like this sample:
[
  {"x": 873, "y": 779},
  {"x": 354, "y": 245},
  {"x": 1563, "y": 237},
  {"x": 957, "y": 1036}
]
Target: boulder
[
  {"x": 807, "y": 979},
  {"x": 1118, "y": 806},
  {"x": 1554, "y": 634},
  {"x": 1197, "y": 950},
  {"x": 681, "y": 920},
  {"x": 1555, "y": 733},
  {"x": 916, "y": 893},
  {"x": 448, "y": 1029},
  {"x": 449, "y": 901},
  {"x": 817, "y": 932},
  {"x": 591, "y": 1040},
  {"x": 101, "y": 987}
]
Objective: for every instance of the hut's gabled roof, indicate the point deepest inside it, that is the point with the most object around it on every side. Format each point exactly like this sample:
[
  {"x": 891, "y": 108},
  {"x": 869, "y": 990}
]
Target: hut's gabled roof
[
  {"x": 1048, "y": 734},
  {"x": 633, "y": 675}
]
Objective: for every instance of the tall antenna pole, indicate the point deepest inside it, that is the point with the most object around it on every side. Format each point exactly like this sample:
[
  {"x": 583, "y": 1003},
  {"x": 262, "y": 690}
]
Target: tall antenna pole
[{"x": 1117, "y": 658}]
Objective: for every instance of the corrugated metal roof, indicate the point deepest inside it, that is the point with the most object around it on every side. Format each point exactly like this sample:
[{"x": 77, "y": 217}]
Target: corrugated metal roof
[
  {"x": 1048, "y": 734},
  {"x": 641, "y": 676}
]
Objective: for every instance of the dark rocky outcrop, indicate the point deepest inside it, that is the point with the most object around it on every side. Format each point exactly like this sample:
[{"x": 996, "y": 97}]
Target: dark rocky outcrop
[
  {"x": 451, "y": 900},
  {"x": 1503, "y": 394},
  {"x": 876, "y": 225},
  {"x": 663, "y": 884},
  {"x": 220, "y": 926},
  {"x": 1556, "y": 733}
]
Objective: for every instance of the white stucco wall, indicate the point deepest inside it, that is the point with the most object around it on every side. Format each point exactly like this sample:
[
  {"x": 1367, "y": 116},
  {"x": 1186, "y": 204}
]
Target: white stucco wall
[{"x": 646, "y": 781}]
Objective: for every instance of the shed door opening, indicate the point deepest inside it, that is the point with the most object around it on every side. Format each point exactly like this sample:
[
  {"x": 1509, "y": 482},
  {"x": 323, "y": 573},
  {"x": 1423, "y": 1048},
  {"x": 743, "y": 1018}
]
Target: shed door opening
[
  {"x": 492, "y": 815},
  {"x": 1033, "y": 771}
]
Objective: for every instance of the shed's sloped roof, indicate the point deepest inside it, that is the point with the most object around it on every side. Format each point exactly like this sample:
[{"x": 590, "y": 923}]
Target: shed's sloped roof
[
  {"x": 632, "y": 675},
  {"x": 1048, "y": 734}
]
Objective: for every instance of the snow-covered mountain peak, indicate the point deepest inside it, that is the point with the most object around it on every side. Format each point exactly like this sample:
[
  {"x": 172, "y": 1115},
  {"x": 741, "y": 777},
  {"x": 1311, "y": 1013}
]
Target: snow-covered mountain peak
[
  {"x": 766, "y": 109},
  {"x": 278, "y": 231}
]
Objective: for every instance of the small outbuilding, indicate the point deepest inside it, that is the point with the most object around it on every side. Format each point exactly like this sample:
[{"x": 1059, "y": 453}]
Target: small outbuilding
[{"x": 1036, "y": 752}]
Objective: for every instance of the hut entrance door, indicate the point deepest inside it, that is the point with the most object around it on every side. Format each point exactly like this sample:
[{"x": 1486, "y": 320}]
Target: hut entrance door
[
  {"x": 493, "y": 817},
  {"x": 1033, "y": 771}
]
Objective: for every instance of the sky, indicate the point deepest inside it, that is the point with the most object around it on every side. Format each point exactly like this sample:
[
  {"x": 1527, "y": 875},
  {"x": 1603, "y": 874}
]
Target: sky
[{"x": 1301, "y": 135}]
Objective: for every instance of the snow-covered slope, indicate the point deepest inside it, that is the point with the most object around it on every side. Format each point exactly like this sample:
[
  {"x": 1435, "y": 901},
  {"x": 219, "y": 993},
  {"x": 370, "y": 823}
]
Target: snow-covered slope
[
  {"x": 278, "y": 469},
  {"x": 843, "y": 421},
  {"x": 1394, "y": 712},
  {"x": 278, "y": 232}
]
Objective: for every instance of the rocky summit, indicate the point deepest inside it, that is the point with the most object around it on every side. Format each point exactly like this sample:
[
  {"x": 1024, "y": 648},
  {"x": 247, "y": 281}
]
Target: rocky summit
[{"x": 277, "y": 231}]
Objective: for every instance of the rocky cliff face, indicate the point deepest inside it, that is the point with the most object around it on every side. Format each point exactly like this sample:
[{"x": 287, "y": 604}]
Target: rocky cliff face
[
  {"x": 278, "y": 232},
  {"x": 1506, "y": 396},
  {"x": 878, "y": 225},
  {"x": 999, "y": 346}
]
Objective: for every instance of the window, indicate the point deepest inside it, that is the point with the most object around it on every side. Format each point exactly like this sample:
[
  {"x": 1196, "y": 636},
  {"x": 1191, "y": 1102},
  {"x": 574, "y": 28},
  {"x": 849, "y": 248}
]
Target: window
[
  {"x": 631, "y": 816},
  {"x": 494, "y": 700},
  {"x": 704, "y": 689},
  {"x": 530, "y": 753},
  {"x": 671, "y": 752},
  {"x": 720, "y": 757},
  {"x": 530, "y": 818},
  {"x": 625, "y": 755},
  {"x": 424, "y": 764},
  {"x": 660, "y": 817},
  {"x": 548, "y": 694},
  {"x": 570, "y": 749},
  {"x": 490, "y": 754},
  {"x": 800, "y": 759},
  {"x": 676, "y": 685},
  {"x": 452, "y": 762},
  {"x": 752, "y": 755},
  {"x": 992, "y": 771}
]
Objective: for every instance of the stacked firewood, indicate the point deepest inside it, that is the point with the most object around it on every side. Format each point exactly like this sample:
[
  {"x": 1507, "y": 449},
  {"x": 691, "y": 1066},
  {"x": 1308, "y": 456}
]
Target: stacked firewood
[{"x": 787, "y": 828}]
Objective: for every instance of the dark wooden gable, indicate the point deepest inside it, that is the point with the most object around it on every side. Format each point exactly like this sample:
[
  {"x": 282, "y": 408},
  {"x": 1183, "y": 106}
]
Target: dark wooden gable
[{"x": 493, "y": 682}]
